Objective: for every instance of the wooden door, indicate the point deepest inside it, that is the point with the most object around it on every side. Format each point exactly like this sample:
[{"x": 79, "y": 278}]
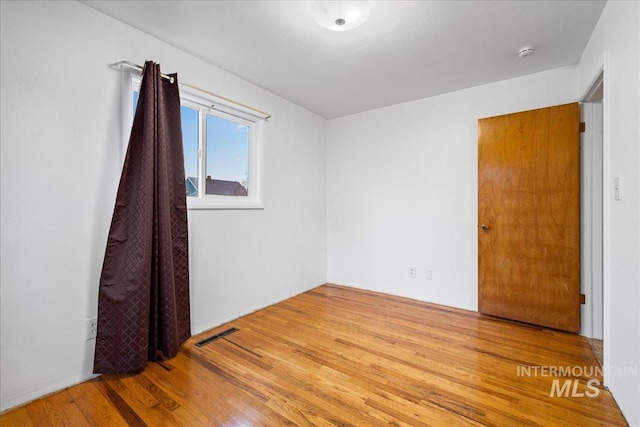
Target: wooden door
[{"x": 529, "y": 217}]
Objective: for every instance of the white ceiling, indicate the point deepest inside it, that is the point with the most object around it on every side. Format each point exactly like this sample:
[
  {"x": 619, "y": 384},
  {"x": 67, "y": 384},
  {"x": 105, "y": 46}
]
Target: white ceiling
[{"x": 406, "y": 50}]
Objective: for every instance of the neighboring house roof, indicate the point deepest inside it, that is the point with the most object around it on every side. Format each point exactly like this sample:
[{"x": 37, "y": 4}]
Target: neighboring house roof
[
  {"x": 218, "y": 187},
  {"x": 224, "y": 188},
  {"x": 191, "y": 186}
]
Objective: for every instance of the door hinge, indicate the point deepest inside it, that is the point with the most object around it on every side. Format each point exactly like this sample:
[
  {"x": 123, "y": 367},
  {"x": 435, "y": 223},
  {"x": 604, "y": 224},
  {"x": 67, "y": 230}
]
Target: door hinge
[
  {"x": 582, "y": 127},
  {"x": 582, "y": 299}
]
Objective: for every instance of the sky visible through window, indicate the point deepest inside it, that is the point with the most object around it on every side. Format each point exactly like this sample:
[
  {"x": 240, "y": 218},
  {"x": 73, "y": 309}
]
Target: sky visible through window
[
  {"x": 227, "y": 150},
  {"x": 190, "y": 140},
  {"x": 227, "y": 146}
]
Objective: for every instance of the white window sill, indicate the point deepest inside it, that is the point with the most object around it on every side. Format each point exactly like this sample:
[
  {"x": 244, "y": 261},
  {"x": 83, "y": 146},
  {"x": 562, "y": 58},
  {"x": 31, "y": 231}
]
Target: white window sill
[{"x": 196, "y": 203}]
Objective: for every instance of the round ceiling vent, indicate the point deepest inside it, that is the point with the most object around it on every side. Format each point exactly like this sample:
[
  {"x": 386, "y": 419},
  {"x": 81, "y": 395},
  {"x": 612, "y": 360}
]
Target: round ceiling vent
[{"x": 526, "y": 51}]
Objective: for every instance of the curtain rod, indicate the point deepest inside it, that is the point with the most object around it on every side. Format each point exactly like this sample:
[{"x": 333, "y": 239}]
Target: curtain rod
[{"x": 170, "y": 78}]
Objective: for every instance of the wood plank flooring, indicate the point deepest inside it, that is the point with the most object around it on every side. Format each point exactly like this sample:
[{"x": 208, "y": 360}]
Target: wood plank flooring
[
  {"x": 597, "y": 346},
  {"x": 337, "y": 356}
]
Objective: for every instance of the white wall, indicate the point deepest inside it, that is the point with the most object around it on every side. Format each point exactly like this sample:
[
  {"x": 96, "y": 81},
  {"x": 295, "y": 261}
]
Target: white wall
[
  {"x": 402, "y": 188},
  {"x": 61, "y": 160},
  {"x": 615, "y": 46}
]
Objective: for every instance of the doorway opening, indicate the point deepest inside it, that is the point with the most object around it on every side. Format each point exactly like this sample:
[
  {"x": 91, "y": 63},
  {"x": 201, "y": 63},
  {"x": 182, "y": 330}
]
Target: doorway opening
[{"x": 592, "y": 210}]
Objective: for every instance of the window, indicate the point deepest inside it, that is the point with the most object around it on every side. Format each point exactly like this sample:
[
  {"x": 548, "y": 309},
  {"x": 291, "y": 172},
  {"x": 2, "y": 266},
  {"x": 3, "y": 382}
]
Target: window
[{"x": 221, "y": 142}]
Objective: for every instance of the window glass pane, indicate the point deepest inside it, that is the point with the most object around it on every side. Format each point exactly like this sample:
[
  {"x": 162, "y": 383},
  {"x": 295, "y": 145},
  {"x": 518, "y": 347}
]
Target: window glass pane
[
  {"x": 136, "y": 94},
  {"x": 190, "y": 147},
  {"x": 227, "y": 157}
]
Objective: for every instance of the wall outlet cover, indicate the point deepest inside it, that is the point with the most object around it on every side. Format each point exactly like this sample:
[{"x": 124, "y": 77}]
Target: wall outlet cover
[{"x": 92, "y": 328}]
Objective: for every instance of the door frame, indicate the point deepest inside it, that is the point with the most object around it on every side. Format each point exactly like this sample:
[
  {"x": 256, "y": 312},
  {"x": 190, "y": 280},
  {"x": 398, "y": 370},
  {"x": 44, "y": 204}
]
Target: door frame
[
  {"x": 600, "y": 79},
  {"x": 591, "y": 210}
]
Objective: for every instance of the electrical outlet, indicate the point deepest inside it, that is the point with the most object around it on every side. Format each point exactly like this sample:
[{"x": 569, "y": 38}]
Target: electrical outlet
[
  {"x": 412, "y": 272},
  {"x": 428, "y": 274},
  {"x": 92, "y": 328}
]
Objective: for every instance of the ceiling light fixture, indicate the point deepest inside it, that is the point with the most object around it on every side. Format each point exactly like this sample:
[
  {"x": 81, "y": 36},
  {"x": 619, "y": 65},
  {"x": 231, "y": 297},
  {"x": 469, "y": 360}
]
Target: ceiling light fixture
[
  {"x": 340, "y": 15},
  {"x": 526, "y": 51}
]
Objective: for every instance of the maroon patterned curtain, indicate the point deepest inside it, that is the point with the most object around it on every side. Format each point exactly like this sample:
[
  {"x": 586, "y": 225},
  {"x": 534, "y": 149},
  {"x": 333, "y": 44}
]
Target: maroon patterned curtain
[{"x": 143, "y": 306}]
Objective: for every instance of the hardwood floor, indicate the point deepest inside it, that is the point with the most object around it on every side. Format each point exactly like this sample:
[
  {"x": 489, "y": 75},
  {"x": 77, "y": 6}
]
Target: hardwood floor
[
  {"x": 597, "y": 346},
  {"x": 337, "y": 356}
]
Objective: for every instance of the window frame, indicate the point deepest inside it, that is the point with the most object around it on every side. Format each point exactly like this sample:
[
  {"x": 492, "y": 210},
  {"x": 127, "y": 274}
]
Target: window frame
[{"x": 208, "y": 104}]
